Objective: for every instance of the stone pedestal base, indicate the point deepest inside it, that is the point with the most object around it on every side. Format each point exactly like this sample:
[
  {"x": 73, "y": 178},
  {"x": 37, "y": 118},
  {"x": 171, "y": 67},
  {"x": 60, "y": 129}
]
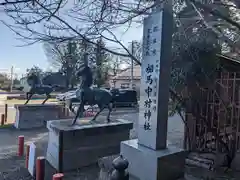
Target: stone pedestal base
[
  {"x": 148, "y": 164},
  {"x": 36, "y": 115},
  {"x": 72, "y": 147}
]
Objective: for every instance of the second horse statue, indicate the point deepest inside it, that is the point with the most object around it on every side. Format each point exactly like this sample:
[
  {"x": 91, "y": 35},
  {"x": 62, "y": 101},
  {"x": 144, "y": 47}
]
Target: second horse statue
[{"x": 36, "y": 87}]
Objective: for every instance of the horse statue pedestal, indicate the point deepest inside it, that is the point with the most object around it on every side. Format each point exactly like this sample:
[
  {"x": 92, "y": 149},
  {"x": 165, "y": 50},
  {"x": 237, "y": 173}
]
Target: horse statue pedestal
[
  {"x": 72, "y": 147},
  {"x": 35, "y": 115}
]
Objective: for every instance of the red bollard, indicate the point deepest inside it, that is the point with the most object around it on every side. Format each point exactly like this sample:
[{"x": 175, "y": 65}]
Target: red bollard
[
  {"x": 40, "y": 168},
  {"x": 2, "y": 119},
  {"x": 27, "y": 155},
  {"x": 20, "y": 145},
  {"x": 58, "y": 176},
  {"x": 6, "y": 112}
]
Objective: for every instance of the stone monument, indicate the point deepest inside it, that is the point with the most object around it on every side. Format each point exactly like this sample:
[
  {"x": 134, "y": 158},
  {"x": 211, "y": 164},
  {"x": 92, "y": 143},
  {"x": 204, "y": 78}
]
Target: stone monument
[
  {"x": 75, "y": 146},
  {"x": 36, "y": 115},
  {"x": 157, "y": 158}
]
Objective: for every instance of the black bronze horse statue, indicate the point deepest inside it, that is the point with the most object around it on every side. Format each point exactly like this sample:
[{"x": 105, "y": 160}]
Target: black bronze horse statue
[
  {"x": 90, "y": 96},
  {"x": 36, "y": 87}
]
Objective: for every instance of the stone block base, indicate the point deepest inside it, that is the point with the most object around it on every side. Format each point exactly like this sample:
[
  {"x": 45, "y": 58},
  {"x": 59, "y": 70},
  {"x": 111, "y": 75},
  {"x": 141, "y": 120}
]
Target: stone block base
[
  {"x": 72, "y": 147},
  {"x": 36, "y": 115},
  {"x": 146, "y": 164}
]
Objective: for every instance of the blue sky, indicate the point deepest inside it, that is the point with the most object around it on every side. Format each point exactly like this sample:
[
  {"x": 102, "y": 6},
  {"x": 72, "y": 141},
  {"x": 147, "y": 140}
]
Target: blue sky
[
  {"x": 20, "y": 57},
  {"x": 25, "y": 57}
]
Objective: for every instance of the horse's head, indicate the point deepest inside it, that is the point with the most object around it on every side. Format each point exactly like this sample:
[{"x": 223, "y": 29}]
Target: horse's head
[
  {"x": 86, "y": 76},
  {"x": 33, "y": 79}
]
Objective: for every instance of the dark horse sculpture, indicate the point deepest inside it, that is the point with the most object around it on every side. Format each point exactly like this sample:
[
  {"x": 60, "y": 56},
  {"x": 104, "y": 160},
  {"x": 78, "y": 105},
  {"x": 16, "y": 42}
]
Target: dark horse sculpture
[
  {"x": 90, "y": 96},
  {"x": 36, "y": 87}
]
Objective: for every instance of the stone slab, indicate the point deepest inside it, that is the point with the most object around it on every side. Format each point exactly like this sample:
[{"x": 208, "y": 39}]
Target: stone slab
[
  {"x": 72, "y": 147},
  {"x": 36, "y": 115},
  {"x": 32, "y": 159},
  {"x": 167, "y": 164},
  {"x": 34, "y": 152},
  {"x": 92, "y": 140},
  {"x": 85, "y": 125}
]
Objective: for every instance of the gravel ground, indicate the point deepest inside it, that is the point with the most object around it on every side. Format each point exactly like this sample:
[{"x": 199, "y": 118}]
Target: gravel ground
[{"x": 12, "y": 167}]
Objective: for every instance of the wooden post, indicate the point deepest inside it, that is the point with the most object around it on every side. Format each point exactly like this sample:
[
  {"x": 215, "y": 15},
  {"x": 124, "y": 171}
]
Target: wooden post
[
  {"x": 27, "y": 156},
  {"x": 67, "y": 112},
  {"x": 6, "y": 112},
  {"x": 64, "y": 110},
  {"x": 2, "y": 119},
  {"x": 40, "y": 168},
  {"x": 20, "y": 145}
]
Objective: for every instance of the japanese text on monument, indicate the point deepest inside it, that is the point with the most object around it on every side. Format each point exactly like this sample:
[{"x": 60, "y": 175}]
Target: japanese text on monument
[{"x": 150, "y": 68}]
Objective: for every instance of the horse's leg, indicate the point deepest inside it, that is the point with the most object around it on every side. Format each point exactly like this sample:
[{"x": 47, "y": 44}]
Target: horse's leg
[
  {"x": 110, "y": 107},
  {"x": 79, "y": 112},
  {"x": 70, "y": 104},
  {"x": 29, "y": 96},
  {"x": 48, "y": 96},
  {"x": 101, "y": 109}
]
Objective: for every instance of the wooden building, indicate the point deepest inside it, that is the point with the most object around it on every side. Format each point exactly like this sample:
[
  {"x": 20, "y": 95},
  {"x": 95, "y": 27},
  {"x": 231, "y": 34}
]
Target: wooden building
[{"x": 219, "y": 113}]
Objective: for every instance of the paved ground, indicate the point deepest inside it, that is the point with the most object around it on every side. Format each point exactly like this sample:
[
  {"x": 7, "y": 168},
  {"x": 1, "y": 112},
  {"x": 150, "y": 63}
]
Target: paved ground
[
  {"x": 8, "y": 137},
  {"x": 12, "y": 167}
]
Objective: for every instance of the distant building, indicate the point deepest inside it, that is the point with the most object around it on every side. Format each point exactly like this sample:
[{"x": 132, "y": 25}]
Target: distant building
[
  {"x": 24, "y": 85},
  {"x": 123, "y": 79},
  {"x": 23, "y": 81}
]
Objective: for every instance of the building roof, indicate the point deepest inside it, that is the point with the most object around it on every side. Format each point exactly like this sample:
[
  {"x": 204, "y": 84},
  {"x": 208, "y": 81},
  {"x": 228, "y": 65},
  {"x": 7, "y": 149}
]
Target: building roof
[
  {"x": 230, "y": 57},
  {"x": 126, "y": 73}
]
